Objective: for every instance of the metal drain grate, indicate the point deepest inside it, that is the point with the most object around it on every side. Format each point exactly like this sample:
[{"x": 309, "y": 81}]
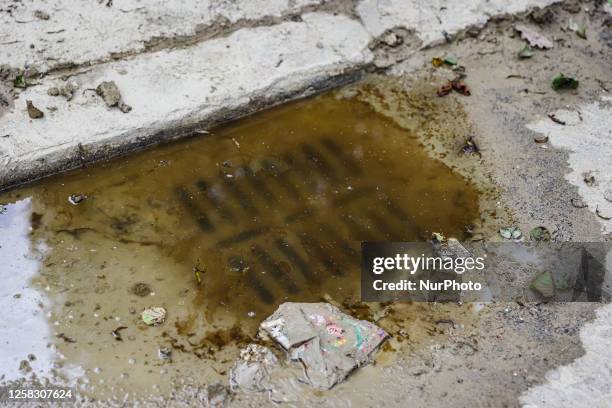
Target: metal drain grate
[{"x": 288, "y": 220}]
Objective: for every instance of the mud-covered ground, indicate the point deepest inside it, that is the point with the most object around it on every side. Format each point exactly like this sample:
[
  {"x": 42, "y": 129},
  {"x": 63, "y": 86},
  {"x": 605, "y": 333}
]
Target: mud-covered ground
[{"x": 493, "y": 354}]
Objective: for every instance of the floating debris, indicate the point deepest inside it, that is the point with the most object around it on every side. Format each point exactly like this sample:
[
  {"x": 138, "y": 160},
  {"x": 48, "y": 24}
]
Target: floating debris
[
  {"x": 252, "y": 369},
  {"x": 198, "y": 273},
  {"x": 141, "y": 289},
  {"x": 154, "y": 316},
  {"x": 544, "y": 284},
  {"x": 534, "y": 38},
  {"x": 470, "y": 146},
  {"x": 438, "y": 237},
  {"x": 579, "y": 30},
  {"x": 510, "y": 233},
  {"x": 328, "y": 343},
  {"x": 563, "y": 82},
  {"x": 76, "y": 199},
  {"x": 607, "y": 195},
  {"x": 540, "y": 234},
  {"x": 437, "y": 62},
  {"x": 33, "y": 111},
  {"x": 66, "y": 338},
  {"x": 526, "y": 52},
  {"x": 165, "y": 353},
  {"x": 109, "y": 92},
  {"x": 117, "y": 333},
  {"x": 589, "y": 178}
]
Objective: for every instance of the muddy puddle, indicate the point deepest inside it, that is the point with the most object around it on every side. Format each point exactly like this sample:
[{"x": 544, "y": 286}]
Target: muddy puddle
[{"x": 219, "y": 230}]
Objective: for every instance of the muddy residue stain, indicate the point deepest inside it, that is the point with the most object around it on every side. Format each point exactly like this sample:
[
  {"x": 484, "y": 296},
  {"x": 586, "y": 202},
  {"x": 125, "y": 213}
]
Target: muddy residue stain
[{"x": 221, "y": 229}]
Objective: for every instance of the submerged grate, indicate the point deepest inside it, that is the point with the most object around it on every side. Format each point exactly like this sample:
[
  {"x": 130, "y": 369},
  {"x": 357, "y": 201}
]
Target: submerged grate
[{"x": 293, "y": 219}]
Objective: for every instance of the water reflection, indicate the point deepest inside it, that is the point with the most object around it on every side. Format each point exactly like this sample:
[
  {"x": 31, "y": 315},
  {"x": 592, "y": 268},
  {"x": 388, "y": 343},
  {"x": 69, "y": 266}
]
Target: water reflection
[{"x": 24, "y": 332}]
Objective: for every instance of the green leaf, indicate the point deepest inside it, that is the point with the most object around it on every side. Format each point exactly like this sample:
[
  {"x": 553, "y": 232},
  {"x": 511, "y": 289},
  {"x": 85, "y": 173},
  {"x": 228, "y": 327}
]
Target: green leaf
[
  {"x": 20, "y": 81},
  {"x": 540, "y": 234},
  {"x": 563, "y": 82},
  {"x": 526, "y": 52},
  {"x": 544, "y": 284}
]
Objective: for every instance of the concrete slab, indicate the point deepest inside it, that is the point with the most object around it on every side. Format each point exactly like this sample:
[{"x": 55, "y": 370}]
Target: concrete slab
[
  {"x": 432, "y": 19},
  {"x": 79, "y": 32},
  {"x": 587, "y": 135},
  {"x": 172, "y": 90},
  {"x": 586, "y": 381}
]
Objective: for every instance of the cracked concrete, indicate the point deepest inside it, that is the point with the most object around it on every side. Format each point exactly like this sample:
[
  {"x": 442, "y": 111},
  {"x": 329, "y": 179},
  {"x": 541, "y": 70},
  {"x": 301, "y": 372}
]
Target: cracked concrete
[
  {"x": 83, "y": 32},
  {"x": 172, "y": 90}
]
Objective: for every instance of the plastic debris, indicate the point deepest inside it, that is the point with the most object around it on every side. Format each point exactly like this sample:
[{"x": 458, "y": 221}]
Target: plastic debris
[
  {"x": 450, "y": 60},
  {"x": 33, "y": 111},
  {"x": 563, "y": 82},
  {"x": 510, "y": 232},
  {"x": 154, "y": 316},
  {"x": 252, "y": 369},
  {"x": 534, "y": 38},
  {"x": 329, "y": 344}
]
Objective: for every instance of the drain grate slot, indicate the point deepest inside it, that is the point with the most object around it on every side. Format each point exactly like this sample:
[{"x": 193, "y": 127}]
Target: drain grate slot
[{"x": 295, "y": 216}]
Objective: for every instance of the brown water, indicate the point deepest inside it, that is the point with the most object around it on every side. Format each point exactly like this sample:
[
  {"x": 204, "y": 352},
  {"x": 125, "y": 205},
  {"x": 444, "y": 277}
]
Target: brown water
[{"x": 222, "y": 228}]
